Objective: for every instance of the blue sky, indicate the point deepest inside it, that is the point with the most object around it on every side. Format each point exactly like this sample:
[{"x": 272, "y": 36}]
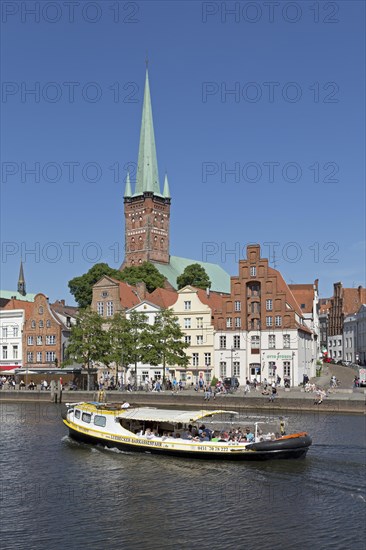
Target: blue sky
[{"x": 291, "y": 132}]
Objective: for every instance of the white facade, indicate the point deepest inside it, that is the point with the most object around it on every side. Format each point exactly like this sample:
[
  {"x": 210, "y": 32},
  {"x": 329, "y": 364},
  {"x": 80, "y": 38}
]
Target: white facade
[
  {"x": 145, "y": 371},
  {"x": 265, "y": 354},
  {"x": 350, "y": 338},
  {"x": 335, "y": 347},
  {"x": 11, "y": 329},
  {"x": 194, "y": 319}
]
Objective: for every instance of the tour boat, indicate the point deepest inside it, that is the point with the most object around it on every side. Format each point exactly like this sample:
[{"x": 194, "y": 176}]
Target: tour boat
[{"x": 163, "y": 431}]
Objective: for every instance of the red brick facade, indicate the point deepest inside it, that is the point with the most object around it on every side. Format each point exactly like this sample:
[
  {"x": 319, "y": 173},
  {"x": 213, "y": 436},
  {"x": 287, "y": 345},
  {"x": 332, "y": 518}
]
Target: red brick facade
[
  {"x": 147, "y": 220},
  {"x": 259, "y": 299}
]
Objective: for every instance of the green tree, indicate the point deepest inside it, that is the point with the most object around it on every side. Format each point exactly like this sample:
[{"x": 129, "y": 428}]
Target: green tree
[
  {"x": 145, "y": 272},
  {"x": 194, "y": 275},
  {"x": 88, "y": 343},
  {"x": 165, "y": 342},
  {"x": 128, "y": 342},
  {"x": 82, "y": 287}
]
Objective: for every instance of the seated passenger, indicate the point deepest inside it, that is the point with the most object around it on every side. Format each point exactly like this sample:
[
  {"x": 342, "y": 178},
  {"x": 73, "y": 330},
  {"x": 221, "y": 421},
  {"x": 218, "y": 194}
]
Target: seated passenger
[
  {"x": 204, "y": 437},
  {"x": 149, "y": 434},
  {"x": 249, "y": 435}
]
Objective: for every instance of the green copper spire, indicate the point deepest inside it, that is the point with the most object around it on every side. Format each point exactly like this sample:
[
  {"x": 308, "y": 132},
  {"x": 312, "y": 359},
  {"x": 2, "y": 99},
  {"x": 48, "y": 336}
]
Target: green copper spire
[
  {"x": 21, "y": 281},
  {"x": 147, "y": 166},
  {"x": 166, "y": 192},
  {"x": 128, "y": 192}
]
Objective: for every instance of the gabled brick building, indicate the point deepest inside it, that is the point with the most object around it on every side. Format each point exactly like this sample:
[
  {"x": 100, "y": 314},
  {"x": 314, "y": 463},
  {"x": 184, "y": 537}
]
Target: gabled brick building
[{"x": 261, "y": 332}]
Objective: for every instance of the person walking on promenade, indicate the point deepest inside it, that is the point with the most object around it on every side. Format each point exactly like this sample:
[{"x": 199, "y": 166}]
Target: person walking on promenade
[{"x": 274, "y": 393}]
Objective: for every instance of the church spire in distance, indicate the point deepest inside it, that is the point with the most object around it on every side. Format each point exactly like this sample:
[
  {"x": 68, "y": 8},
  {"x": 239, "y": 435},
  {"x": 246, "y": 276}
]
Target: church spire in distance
[
  {"x": 128, "y": 192},
  {"x": 21, "y": 281},
  {"x": 147, "y": 166}
]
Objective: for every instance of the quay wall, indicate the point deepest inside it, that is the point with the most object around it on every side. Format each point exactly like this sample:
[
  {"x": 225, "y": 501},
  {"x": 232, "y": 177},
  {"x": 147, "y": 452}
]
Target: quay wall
[{"x": 286, "y": 403}]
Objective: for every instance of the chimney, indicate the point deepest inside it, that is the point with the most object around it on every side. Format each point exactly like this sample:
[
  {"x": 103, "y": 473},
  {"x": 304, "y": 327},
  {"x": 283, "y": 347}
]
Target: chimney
[
  {"x": 141, "y": 290},
  {"x": 208, "y": 292},
  {"x": 360, "y": 294}
]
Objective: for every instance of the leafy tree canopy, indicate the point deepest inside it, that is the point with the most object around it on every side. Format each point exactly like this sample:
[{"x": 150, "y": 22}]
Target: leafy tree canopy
[
  {"x": 146, "y": 272},
  {"x": 82, "y": 287},
  {"x": 194, "y": 275}
]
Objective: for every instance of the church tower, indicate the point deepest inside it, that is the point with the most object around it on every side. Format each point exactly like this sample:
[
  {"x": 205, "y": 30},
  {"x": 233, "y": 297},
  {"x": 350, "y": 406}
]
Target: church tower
[
  {"x": 21, "y": 281},
  {"x": 147, "y": 210}
]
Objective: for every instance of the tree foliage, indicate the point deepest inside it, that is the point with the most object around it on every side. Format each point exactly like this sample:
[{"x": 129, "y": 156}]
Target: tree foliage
[
  {"x": 166, "y": 345},
  {"x": 82, "y": 287},
  {"x": 88, "y": 342},
  {"x": 194, "y": 275},
  {"x": 145, "y": 272}
]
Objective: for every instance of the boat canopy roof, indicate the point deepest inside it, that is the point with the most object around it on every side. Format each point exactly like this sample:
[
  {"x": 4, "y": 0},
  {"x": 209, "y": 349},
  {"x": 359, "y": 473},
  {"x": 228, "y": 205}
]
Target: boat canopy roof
[{"x": 165, "y": 415}]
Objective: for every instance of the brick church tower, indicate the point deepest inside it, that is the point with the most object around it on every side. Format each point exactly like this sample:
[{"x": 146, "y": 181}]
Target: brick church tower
[{"x": 147, "y": 210}]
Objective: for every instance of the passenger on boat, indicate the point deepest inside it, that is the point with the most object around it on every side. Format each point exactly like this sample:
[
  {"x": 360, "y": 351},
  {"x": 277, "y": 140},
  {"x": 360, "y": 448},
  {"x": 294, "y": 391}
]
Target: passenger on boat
[{"x": 249, "y": 435}]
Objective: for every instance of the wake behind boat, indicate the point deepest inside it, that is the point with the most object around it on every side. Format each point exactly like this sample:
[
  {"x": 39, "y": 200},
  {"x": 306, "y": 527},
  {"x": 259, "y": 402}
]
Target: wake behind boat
[{"x": 177, "y": 433}]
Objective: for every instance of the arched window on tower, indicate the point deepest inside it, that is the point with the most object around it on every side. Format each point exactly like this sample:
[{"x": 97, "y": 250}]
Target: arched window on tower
[
  {"x": 155, "y": 221},
  {"x": 155, "y": 242},
  {"x": 133, "y": 221},
  {"x": 162, "y": 244},
  {"x": 140, "y": 221},
  {"x": 140, "y": 242},
  {"x": 133, "y": 244},
  {"x": 162, "y": 221}
]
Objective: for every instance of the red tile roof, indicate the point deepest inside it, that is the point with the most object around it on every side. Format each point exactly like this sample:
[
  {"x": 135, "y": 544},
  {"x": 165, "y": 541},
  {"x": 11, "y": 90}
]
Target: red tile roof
[
  {"x": 304, "y": 295},
  {"x": 282, "y": 286},
  {"x": 353, "y": 298},
  {"x": 214, "y": 300},
  {"x": 162, "y": 297},
  {"x": 19, "y": 304}
]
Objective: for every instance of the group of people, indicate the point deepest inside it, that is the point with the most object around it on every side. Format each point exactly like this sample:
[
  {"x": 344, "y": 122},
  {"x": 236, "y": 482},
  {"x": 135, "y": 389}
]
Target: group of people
[{"x": 202, "y": 434}]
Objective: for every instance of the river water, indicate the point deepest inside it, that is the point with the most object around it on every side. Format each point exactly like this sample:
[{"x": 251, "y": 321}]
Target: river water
[{"x": 56, "y": 493}]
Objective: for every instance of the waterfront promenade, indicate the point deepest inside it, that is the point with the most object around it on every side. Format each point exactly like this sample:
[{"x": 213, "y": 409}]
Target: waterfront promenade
[{"x": 345, "y": 399}]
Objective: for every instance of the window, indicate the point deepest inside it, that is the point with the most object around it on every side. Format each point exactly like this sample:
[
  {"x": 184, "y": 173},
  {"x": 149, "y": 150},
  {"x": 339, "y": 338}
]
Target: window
[
  {"x": 222, "y": 369},
  {"x": 207, "y": 359},
  {"x": 105, "y": 292},
  {"x": 30, "y": 340},
  {"x": 50, "y": 356},
  {"x": 286, "y": 340},
  {"x": 253, "y": 271},
  {"x": 40, "y": 324},
  {"x": 339, "y": 342},
  {"x": 199, "y": 322},
  {"x": 278, "y": 320},
  {"x": 39, "y": 357},
  {"x": 40, "y": 310},
  {"x": 187, "y": 322},
  {"x": 100, "y": 308},
  {"x": 222, "y": 342},
  {"x": 187, "y": 305},
  {"x": 271, "y": 368},
  {"x": 268, "y": 321},
  {"x": 272, "y": 341},
  {"x": 187, "y": 340},
  {"x": 157, "y": 373},
  {"x": 5, "y": 352},
  {"x": 286, "y": 368},
  {"x": 77, "y": 413},
  {"x": 237, "y": 306},
  {"x": 5, "y": 332},
  {"x": 255, "y": 341},
  {"x": 269, "y": 305},
  {"x": 30, "y": 356},
  {"x": 50, "y": 339},
  {"x": 33, "y": 324},
  {"x": 199, "y": 339},
  {"x": 110, "y": 309},
  {"x": 39, "y": 340},
  {"x": 229, "y": 322},
  {"x": 86, "y": 417},
  {"x": 330, "y": 343},
  {"x": 339, "y": 354},
  {"x": 236, "y": 368},
  {"x": 237, "y": 342},
  {"x": 15, "y": 352},
  {"x": 15, "y": 331},
  {"x": 195, "y": 359},
  {"x": 100, "y": 420},
  {"x": 237, "y": 322},
  {"x": 145, "y": 375}
]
